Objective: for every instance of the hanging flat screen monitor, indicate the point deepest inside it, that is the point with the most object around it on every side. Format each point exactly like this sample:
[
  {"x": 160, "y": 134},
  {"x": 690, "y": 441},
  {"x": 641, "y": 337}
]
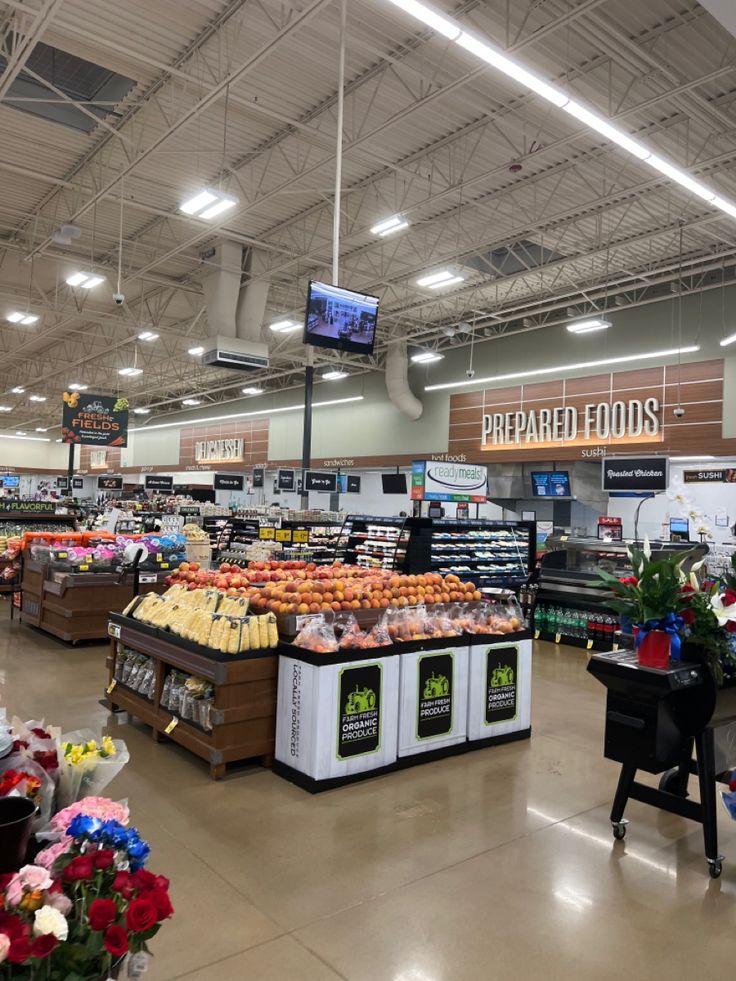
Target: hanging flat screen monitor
[
  {"x": 340, "y": 319},
  {"x": 11, "y": 480},
  {"x": 551, "y": 483},
  {"x": 394, "y": 483},
  {"x": 680, "y": 528}
]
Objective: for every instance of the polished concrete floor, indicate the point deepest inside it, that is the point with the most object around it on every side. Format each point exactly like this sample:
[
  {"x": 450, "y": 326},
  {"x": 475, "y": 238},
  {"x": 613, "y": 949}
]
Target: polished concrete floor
[{"x": 498, "y": 864}]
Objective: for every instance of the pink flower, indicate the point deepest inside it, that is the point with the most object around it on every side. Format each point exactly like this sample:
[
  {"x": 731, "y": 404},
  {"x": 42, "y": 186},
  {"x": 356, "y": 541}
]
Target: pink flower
[
  {"x": 4, "y": 946},
  {"x": 96, "y": 807},
  {"x": 48, "y": 856},
  {"x": 60, "y": 902},
  {"x": 31, "y": 878}
]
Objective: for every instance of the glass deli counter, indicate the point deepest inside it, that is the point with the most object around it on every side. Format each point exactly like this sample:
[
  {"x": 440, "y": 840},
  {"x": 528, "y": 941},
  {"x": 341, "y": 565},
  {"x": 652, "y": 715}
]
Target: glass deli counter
[{"x": 569, "y": 608}]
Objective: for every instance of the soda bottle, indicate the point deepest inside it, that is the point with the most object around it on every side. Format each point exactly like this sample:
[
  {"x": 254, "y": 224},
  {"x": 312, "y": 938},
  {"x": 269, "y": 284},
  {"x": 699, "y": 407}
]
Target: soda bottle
[{"x": 609, "y": 625}]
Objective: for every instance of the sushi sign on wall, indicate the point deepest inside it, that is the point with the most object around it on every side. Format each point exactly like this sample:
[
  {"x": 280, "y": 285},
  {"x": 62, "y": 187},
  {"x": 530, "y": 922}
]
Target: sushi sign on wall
[{"x": 219, "y": 451}]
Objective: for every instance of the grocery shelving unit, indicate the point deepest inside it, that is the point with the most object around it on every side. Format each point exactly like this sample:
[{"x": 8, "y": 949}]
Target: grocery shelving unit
[
  {"x": 490, "y": 553},
  {"x": 243, "y": 715},
  {"x": 376, "y": 542}
]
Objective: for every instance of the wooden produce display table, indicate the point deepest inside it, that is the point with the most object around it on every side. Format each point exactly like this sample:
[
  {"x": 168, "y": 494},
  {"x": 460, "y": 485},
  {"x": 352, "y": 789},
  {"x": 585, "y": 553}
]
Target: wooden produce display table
[
  {"x": 75, "y": 606},
  {"x": 243, "y": 715}
]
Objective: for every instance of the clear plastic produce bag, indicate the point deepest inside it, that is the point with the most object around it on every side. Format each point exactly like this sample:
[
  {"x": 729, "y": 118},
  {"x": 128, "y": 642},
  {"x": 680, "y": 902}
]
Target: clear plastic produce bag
[{"x": 87, "y": 764}]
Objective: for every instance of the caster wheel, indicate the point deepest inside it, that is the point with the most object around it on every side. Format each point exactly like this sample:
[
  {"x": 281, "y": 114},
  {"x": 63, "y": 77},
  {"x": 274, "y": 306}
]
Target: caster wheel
[
  {"x": 619, "y": 830},
  {"x": 715, "y": 869}
]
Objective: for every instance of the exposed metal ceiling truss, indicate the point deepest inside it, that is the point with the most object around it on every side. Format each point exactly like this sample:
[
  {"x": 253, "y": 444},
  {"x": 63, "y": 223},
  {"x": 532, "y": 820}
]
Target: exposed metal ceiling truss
[{"x": 241, "y": 94}]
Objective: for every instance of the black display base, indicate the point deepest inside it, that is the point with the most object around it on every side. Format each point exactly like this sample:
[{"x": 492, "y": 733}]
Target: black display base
[
  {"x": 441, "y": 753},
  {"x": 507, "y": 737},
  {"x": 319, "y": 786}
]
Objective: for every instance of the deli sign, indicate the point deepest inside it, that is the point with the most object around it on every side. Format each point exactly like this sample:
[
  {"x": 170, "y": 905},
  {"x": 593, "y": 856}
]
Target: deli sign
[
  {"x": 595, "y": 421},
  {"x": 218, "y": 450}
]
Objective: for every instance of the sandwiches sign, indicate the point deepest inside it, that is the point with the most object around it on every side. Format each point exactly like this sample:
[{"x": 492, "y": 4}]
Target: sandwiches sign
[{"x": 438, "y": 481}]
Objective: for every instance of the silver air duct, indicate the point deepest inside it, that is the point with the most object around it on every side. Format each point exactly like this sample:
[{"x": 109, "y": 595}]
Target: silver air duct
[{"x": 397, "y": 380}]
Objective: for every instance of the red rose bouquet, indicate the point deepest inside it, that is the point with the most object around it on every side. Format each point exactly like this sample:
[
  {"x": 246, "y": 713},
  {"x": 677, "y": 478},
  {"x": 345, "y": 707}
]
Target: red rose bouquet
[{"x": 87, "y": 902}]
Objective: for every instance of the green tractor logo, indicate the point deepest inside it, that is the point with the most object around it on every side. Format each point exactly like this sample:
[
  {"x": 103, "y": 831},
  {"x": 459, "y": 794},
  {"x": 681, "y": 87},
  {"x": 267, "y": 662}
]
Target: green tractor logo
[
  {"x": 502, "y": 675},
  {"x": 436, "y": 686},
  {"x": 360, "y": 700}
]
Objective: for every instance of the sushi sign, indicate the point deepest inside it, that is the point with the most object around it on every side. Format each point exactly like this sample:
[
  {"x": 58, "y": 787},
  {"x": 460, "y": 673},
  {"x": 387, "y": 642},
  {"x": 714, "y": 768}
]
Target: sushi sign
[{"x": 219, "y": 451}]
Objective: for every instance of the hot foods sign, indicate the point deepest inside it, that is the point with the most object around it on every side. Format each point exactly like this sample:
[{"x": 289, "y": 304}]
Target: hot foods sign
[
  {"x": 593, "y": 422},
  {"x": 218, "y": 451}
]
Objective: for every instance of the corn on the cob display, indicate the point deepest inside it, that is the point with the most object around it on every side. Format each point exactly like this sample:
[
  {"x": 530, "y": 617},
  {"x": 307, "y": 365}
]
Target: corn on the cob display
[{"x": 207, "y": 617}]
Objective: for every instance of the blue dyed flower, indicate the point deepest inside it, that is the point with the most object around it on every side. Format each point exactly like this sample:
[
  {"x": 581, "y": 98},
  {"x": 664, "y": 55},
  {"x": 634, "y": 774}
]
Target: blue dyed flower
[
  {"x": 138, "y": 850},
  {"x": 114, "y": 834},
  {"x": 83, "y": 826}
]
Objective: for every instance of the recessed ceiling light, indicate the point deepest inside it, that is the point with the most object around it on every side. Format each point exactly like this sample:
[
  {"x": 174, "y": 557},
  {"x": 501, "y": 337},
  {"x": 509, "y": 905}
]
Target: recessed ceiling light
[
  {"x": 78, "y": 387},
  {"x": 37, "y": 398},
  {"x": 85, "y": 280},
  {"x": 207, "y": 204},
  {"x": 334, "y": 375},
  {"x": 141, "y": 411},
  {"x": 588, "y": 326},
  {"x": 424, "y": 357},
  {"x": 130, "y": 371},
  {"x": 728, "y": 340},
  {"x": 6, "y": 408},
  {"x": 389, "y": 226},
  {"x": 20, "y": 432},
  {"x": 22, "y": 318},
  {"x": 703, "y": 457},
  {"x": 439, "y": 279},
  {"x": 195, "y": 351},
  {"x": 147, "y": 335},
  {"x": 252, "y": 390},
  {"x": 18, "y": 390},
  {"x": 191, "y": 402},
  {"x": 41, "y": 429},
  {"x": 285, "y": 326}
]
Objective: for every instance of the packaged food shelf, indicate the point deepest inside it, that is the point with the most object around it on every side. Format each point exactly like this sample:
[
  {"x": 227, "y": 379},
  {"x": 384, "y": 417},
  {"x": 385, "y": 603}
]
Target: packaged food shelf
[
  {"x": 373, "y": 541},
  {"x": 240, "y": 720}
]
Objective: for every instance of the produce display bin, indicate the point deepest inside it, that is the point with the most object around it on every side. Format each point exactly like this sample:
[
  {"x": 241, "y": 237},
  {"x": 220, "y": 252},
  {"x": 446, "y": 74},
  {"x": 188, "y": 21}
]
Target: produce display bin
[
  {"x": 243, "y": 716},
  {"x": 433, "y": 702},
  {"x": 337, "y": 717},
  {"x": 499, "y": 689}
]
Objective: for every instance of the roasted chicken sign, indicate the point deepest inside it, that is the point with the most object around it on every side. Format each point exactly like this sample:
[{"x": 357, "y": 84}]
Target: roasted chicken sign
[{"x": 94, "y": 420}]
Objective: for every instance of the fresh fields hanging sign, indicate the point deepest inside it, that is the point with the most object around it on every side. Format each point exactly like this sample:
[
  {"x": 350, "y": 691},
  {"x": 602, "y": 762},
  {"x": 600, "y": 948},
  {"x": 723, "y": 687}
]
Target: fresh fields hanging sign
[
  {"x": 94, "y": 420},
  {"x": 596, "y": 421}
]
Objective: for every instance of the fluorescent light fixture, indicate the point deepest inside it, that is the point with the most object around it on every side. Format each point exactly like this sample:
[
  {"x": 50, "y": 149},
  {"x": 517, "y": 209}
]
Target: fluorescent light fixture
[
  {"x": 255, "y": 412},
  {"x": 141, "y": 411},
  {"x": 41, "y": 429},
  {"x": 588, "y": 326},
  {"x": 78, "y": 387},
  {"x": 19, "y": 432},
  {"x": 601, "y": 125},
  {"x": 85, "y": 280},
  {"x": 431, "y": 18},
  {"x": 22, "y": 318},
  {"x": 252, "y": 390},
  {"x": 495, "y": 57},
  {"x": 680, "y": 177},
  {"x": 207, "y": 204},
  {"x": 37, "y": 398},
  {"x": 195, "y": 351},
  {"x": 6, "y": 408},
  {"x": 719, "y": 202},
  {"x": 389, "y": 226},
  {"x": 191, "y": 402},
  {"x": 285, "y": 326},
  {"x": 130, "y": 372},
  {"x": 21, "y": 435},
  {"x": 148, "y": 335},
  {"x": 425, "y": 357},
  {"x": 704, "y": 457},
  {"x": 536, "y": 372},
  {"x": 334, "y": 375},
  {"x": 436, "y": 280},
  {"x": 728, "y": 340},
  {"x": 18, "y": 390}
]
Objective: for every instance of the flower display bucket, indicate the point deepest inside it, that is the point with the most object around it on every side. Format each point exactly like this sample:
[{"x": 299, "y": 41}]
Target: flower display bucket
[
  {"x": 16, "y": 818},
  {"x": 653, "y": 651}
]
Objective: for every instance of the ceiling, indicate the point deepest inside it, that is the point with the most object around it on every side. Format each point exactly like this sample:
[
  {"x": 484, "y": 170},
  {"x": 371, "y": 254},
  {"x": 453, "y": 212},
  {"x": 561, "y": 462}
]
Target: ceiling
[{"x": 541, "y": 217}]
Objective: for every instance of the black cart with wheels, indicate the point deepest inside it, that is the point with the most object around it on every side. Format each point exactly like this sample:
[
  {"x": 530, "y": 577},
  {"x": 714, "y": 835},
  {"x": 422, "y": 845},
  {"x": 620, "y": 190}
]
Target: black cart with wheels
[{"x": 654, "y": 719}]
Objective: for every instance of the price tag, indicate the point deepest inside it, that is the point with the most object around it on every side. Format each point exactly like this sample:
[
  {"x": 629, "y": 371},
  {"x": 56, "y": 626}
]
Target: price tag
[
  {"x": 300, "y": 536},
  {"x": 83, "y": 568},
  {"x": 266, "y": 534},
  {"x": 536, "y": 635},
  {"x": 113, "y": 630},
  {"x": 111, "y": 687},
  {"x": 62, "y": 555},
  {"x": 164, "y": 565},
  {"x": 589, "y": 646},
  {"x": 147, "y": 577},
  {"x": 159, "y": 557},
  {"x": 558, "y": 638},
  {"x": 564, "y": 538},
  {"x": 171, "y": 726},
  {"x": 283, "y": 535},
  {"x": 615, "y": 647}
]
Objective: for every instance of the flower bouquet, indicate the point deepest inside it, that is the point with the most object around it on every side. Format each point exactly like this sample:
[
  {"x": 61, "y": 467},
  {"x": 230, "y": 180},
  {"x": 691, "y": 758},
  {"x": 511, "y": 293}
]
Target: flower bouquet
[
  {"x": 85, "y": 904},
  {"x": 87, "y": 764},
  {"x": 709, "y": 617}
]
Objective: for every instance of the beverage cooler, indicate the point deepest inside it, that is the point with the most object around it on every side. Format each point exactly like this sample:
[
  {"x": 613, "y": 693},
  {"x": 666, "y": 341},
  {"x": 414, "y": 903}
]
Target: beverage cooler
[{"x": 569, "y": 608}]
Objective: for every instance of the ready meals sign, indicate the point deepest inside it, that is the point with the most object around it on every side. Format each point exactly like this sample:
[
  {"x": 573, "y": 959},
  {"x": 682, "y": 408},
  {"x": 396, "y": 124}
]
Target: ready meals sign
[
  {"x": 632, "y": 419},
  {"x": 431, "y": 481},
  {"x": 218, "y": 450}
]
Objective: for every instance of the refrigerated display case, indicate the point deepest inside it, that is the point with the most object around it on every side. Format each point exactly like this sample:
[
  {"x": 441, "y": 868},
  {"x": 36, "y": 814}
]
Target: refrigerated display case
[
  {"x": 569, "y": 607},
  {"x": 374, "y": 541}
]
